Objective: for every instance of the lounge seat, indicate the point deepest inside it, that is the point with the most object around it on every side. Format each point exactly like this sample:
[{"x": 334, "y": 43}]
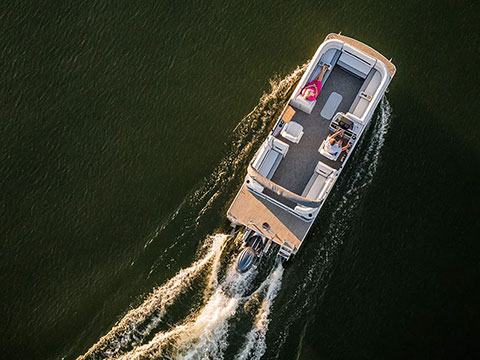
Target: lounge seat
[
  {"x": 267, "y": 160},
  {"x": 366, "y": 93},
  {"x": 293, "y": 131},
  {"x": 303, "y": 104},
  {"x": 330, "y": 58},
  {"x": 356, "y": 62},
  {"x": 317, "y": 187}
]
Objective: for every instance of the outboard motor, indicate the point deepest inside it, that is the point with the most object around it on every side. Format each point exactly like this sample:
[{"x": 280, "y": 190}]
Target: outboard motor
[
  {"x": 246, "y": 259},
  {"x": 251, "y": 254}
]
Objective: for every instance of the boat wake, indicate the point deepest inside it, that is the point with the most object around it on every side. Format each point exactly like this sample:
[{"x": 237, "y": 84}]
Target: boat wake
[
  {"x": 232, "y": 312},
  {"x": 255, "y": 342},
  {"x": 132, "y": 327},
  {"x": 204, "y": 331}
]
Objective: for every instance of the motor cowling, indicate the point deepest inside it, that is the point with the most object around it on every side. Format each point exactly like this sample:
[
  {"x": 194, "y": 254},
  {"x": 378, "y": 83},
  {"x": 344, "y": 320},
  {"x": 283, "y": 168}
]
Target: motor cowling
[{"x": 245, "y": 259}]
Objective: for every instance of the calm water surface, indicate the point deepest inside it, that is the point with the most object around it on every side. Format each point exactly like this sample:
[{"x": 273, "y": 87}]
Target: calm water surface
[{"x": 125, "y": 132}]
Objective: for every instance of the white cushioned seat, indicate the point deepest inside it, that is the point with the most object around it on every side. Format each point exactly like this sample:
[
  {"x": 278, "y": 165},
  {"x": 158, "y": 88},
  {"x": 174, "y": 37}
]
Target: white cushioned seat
[
  {"x": 316, "y": 184},
  {"x": 361, "y": 103},
  {"x": 267, "y": 160},
  {"x": 361, "y": 55},
  {"x": 323, "y": 169},
  {"x": 354, "y": 65},
  {"x": 303, "y": 104},
  {"x": 268, "y": 163},
  {"x": 330, "y": 58},
  {"x": 316, "y": 188},
  {"x": 292, "y": 131},
  {"x": 278, "y": 145}
]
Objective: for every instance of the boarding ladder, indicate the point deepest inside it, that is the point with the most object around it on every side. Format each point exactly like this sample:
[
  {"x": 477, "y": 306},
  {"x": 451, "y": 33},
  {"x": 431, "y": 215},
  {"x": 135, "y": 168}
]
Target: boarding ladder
[{"x": 286, "y": 250}]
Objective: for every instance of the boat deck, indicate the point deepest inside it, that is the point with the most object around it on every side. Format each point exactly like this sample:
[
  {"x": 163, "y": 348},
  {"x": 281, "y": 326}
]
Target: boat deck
[
  {"x": 298, "y": 165},
  {"x": 271, "y": 215},
  {"x": 252, "y": 210},
  {"x": 296, "y": 168}
]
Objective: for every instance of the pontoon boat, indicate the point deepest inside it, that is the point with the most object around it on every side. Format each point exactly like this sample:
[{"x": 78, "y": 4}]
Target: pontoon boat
[{"x": 292, "y": 173}]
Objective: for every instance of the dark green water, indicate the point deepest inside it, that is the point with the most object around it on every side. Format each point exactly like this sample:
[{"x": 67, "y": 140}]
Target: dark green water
[{"x": 124, "y": 135}]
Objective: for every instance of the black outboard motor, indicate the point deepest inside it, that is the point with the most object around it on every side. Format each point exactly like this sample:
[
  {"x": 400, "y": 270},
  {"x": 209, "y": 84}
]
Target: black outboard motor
[
  {"x": 246, "y": 259},
  {"x": 251, "y": 254}
]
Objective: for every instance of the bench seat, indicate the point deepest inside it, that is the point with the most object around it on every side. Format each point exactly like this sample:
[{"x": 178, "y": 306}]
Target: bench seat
[
  {"x": 267, "y": 160},
  {"x": 316, "y": 184},
  {"x": 317, "y": 187}
]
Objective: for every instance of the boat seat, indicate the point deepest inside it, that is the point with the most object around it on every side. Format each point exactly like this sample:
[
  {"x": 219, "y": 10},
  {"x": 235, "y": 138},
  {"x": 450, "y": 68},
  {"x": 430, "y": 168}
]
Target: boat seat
[
  {"x": 325, "y": 153},
  {"x": 316, "y": 186},
  {"x": 293, "y": 131},
  {"x": 267, "y": 161},
  {"x": 269, "y": 164},
  {"x": 330, "y": 58},
  {"x": 269, "y": 157},
  {"x": 354, "y": 65},
  {"x": 366, "y": 93},
  {"x": 278, "y": 145},
  {"x": 303, "y": 104}
]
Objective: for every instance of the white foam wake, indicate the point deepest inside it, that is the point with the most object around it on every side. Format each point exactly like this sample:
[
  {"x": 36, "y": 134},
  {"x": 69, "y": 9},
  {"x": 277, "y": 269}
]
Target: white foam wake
[
  {"x": 255, "y": 342},
  {"x": 204, "y": 333},
  {"x": 370, "y": 157},
  {"x": 126, "y": 332}
]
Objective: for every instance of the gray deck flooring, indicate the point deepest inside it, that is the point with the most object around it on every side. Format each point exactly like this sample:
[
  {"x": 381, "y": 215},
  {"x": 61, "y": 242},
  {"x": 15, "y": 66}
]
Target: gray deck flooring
[{"x": 299, "y": 164}]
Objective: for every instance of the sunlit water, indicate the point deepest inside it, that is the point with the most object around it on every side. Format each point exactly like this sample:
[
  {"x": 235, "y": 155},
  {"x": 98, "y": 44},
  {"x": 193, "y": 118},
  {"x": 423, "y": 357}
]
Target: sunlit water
[
  {"x": 126, "y": 130},
  {"x": 204, "y": 333}
]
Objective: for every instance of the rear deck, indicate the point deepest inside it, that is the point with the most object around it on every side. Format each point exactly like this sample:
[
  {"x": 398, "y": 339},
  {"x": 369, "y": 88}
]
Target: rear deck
[{"x": 253, "y": 210}]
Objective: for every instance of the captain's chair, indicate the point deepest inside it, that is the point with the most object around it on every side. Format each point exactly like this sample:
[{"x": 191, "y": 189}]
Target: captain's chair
[{"x": 327, "y": 154}]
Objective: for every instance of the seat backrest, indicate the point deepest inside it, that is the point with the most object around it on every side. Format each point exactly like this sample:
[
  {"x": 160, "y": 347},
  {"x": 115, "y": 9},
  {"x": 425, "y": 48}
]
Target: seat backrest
[
  {"x": 278, "y": 145},
  {"x": 269, "y": 163},
  {"x": 354, "y": 65},
  {"x": 359, "y": 55},
  {"x": 323, "y": 170}
]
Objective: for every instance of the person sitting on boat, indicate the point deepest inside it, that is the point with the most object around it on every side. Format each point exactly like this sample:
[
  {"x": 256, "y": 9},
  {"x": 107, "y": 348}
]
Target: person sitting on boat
[
  {"x": 311, "y": 91},
  {"x": 334, "y": 146}
]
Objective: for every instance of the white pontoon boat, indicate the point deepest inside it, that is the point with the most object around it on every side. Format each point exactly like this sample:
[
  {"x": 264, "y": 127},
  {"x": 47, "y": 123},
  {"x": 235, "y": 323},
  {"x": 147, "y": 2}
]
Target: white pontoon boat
[{"x": 293, "y": 172}]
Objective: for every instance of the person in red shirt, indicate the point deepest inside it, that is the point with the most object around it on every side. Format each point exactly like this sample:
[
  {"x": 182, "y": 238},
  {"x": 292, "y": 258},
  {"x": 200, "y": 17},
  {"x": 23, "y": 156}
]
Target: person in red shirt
[{"x": 311, "y": 91}]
